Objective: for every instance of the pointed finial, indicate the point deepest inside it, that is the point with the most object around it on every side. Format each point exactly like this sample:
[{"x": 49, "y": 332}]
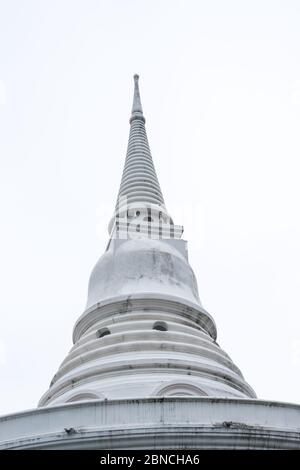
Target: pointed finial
[{"x": 137, "y": 110}]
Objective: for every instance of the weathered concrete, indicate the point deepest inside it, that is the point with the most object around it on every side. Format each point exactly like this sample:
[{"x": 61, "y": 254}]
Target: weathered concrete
[{"x": 158, "y": 423}]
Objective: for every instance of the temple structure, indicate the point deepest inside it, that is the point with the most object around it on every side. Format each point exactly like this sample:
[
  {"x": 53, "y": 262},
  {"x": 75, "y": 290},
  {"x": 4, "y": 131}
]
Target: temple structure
[{"x": 145, "y": 370}]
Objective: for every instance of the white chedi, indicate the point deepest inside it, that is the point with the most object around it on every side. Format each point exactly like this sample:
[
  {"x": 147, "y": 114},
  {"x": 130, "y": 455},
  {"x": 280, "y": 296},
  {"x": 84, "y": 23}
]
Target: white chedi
[
  {"x": 145, "y": 371},
  {"x": 144, "y": 332}
]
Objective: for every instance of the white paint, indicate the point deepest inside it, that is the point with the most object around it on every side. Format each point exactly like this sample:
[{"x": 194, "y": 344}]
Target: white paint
[{"x": 177, "y": 422}]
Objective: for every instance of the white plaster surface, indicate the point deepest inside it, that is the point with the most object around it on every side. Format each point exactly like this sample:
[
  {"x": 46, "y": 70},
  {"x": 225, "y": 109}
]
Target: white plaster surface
[
  {"x": 142, "y": 266},
  {"x": 156, "y": 423}
]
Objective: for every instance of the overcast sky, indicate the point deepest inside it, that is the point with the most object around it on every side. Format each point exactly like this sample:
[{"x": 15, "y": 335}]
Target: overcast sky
[{"x": 220, "y": 86}]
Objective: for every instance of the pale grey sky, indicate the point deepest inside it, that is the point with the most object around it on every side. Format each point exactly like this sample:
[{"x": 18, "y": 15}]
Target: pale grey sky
[{"x": 220, "y": 85}]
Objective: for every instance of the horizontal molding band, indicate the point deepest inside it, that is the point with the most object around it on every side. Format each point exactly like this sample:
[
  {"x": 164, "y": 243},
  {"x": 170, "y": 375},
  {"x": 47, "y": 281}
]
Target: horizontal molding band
[
  {"x": 96, "y": 373},
  {"x": 156, "y": 423},
  {"x": 131, "y": 343},
  {"x": 125, "y": 304},
  {"x": 134, "y": 320}
]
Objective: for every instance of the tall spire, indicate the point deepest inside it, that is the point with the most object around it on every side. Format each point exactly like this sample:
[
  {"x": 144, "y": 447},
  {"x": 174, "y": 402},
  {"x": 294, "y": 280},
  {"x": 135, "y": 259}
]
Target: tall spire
[
  {"x": 137, "y": 110},
  {"x": 139, "y": 184}
]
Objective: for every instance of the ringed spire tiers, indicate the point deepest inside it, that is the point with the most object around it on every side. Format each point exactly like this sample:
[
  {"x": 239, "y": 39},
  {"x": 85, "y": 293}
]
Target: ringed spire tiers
[{"x": 139, "y": 187}]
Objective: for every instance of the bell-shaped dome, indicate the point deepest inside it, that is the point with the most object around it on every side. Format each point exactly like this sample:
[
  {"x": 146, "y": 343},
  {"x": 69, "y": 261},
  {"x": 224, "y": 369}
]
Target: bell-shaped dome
[{"x": 143, "y": 266}]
